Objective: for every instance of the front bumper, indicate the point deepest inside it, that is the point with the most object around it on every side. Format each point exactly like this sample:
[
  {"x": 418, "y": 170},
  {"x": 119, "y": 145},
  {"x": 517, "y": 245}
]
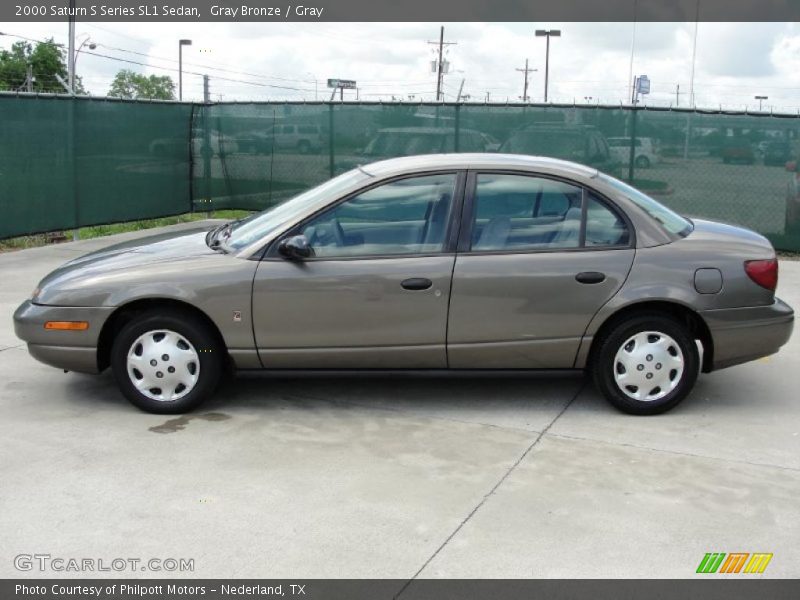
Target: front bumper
[
  {"x": 744, "y": 334},
  {"x": 70, "y": 350}
]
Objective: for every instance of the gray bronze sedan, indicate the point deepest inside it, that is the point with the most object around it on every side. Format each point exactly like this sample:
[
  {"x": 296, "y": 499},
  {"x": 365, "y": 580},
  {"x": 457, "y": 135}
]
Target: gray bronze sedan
[{"x": 463, "y": 262}]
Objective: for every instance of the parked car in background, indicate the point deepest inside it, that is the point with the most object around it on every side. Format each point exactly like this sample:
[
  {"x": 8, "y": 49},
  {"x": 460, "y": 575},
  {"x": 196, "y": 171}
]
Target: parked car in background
[
  {"x": 219, "y": 143},
  {"x": 407, "y": 141},
  {"x": 777, "y": 153},
  {"x": 303, "y": 139},
  {"x": 578, "y": 143},
  {"x": 792, "y": 223},
  {"x": 491, "y": 144},
  {"x": 644, "y": 155},
  {"x": 456, "y": 261},
  {"x": 737, "y": 150}
]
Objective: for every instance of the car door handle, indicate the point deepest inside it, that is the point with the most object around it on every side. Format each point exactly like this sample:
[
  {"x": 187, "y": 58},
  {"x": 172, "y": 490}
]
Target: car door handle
[
  {"x": 416, "y": 283},
  {"x": 590, "y": 277}
]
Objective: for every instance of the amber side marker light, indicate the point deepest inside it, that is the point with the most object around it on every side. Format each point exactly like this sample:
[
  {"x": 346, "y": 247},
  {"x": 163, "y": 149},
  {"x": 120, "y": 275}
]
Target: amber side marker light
[{"x": 67, "y": 325}]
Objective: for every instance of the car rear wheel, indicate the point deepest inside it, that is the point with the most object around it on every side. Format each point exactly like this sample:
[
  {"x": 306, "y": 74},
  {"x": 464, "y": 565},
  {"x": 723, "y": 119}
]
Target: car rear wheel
[
  {"x": 646, "y": 364},
  {"x": 166, "y": 362},
  {"x": 643, "y": 162}
]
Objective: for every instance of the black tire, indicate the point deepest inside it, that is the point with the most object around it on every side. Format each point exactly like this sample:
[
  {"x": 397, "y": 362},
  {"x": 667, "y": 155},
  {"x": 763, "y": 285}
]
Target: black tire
[
  {"x": 195, "y": 332},
  {"x": 643, "y": 162},
  {"x": 603, "y": 363}
]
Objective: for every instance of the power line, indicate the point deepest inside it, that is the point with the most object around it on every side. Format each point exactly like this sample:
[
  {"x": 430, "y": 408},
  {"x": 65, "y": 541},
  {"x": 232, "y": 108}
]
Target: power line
[{"x": 133, "y": 62}]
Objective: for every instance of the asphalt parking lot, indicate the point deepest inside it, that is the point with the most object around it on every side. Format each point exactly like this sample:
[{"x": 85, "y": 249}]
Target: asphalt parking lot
[{"x": 396, "y": 477}]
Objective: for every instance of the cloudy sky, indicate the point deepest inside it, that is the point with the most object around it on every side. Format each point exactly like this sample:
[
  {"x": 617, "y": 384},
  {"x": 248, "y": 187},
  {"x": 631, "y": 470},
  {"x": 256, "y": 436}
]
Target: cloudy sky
[{"x": 263, "y": 61}]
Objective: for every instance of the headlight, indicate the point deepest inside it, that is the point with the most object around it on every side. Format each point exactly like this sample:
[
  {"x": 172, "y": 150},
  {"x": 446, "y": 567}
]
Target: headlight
[{"x": 35, "y": 294}]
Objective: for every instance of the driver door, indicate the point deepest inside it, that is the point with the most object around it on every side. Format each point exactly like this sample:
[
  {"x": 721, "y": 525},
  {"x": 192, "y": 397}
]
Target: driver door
[{"x": 375, "y": 293}]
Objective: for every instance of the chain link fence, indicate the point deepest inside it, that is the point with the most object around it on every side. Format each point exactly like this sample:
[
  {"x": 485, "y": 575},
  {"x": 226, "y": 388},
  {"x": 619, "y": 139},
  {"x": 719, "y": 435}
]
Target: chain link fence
[{"x": 68, "y": 162}]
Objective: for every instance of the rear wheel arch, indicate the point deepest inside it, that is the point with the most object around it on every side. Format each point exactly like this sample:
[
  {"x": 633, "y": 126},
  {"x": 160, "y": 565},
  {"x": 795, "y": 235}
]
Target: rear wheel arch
[
  {"x": 679, "y": 312},
  {"x": 123, "y": 314}
]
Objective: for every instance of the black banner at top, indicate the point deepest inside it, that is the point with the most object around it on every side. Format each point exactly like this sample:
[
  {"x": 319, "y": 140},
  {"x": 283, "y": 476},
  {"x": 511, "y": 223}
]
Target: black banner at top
[{"x": 401, "y": 10}]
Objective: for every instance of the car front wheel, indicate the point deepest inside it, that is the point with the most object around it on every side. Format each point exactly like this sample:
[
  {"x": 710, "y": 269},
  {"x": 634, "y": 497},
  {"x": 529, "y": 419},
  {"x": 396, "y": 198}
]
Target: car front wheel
[
  {"x": 646, "y": 364},
  {"x": 166, "y": 362}
]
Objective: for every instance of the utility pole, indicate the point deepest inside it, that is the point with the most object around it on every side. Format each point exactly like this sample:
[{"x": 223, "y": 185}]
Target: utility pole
[
  {"x": 633, "y": 44},
  {"x": 460, "y": 89},
  {"x": 181, "y": 44},
  {"x": 526, "y": 70},
  {"x": 694, "y": 53},
  {"x": 678, "y": 95},
  {"x": 488, "y": 94},
  {"x": 440, "y": 63}
]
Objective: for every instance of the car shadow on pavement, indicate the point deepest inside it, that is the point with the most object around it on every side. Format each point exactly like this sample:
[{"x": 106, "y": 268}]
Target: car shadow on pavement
[{"x": 523, "y": 400}]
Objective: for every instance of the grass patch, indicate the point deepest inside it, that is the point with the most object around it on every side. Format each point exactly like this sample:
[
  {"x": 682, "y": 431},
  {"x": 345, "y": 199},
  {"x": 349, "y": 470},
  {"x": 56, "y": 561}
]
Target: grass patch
[{"x": 85, "y": 233}]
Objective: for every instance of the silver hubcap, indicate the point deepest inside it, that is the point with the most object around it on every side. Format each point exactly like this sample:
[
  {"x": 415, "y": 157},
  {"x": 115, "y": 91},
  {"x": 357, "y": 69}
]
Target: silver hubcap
[
  {"x": 163, "y": 365},
  {"x": 648, "y": 366}
]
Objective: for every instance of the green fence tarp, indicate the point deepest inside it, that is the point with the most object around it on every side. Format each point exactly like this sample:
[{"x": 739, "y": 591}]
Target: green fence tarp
[
  {"x": 136, "y": 160},
  {"x": 67, "y": 162}
]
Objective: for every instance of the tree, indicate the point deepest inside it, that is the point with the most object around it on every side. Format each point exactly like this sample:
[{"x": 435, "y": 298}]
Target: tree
[
  {"x": 46, "y": 60},
  {"x": 131, "y": 85}
]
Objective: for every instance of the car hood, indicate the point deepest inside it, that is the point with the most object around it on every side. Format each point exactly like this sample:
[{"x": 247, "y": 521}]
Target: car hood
[{"x": 150, "y": 251}]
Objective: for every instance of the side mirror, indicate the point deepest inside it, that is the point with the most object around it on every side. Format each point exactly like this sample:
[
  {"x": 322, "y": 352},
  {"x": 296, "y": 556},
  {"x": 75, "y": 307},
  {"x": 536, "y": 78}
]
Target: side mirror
[{"x": 296, "y": 248}]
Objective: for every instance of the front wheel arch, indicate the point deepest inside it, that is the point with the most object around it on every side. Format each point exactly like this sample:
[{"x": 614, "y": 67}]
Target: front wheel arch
[
  {"x": 123, "y": 314},
  {"x": 685, "y": 315}
]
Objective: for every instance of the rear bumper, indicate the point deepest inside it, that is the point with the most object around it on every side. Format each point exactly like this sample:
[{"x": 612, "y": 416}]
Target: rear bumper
[
  {"x": 70, "y": 350},
  {"x": 744, "y": 334}
]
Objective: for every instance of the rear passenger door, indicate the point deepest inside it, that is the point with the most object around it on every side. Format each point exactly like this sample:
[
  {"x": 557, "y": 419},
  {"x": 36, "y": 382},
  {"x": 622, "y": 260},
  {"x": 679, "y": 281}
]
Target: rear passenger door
[{"x": 537, "y": 257}]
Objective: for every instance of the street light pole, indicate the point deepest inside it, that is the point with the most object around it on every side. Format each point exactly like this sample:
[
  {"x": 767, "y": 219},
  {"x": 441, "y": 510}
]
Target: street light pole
[
  {"x": 181, "y": 44},
  {"x": 92, "y": 46},
  {"x": 547, "y": 33},
  {"x": 71, "y": 49}
]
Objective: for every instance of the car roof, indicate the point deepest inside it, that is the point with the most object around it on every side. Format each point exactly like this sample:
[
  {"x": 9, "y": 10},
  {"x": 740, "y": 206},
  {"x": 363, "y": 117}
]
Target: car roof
[{"x": 476, "y": 160}]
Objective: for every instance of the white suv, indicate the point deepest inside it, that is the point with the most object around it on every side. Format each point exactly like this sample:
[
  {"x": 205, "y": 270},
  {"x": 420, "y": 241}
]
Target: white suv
[{"x": 644, "y": 155}]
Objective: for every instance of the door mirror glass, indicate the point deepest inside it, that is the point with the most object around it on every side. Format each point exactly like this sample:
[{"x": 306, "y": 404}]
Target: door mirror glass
[{"x": 296, "y": 248}]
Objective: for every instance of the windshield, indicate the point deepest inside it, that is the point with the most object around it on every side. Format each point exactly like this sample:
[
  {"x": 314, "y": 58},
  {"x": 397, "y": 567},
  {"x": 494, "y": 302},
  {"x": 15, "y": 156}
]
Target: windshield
[
  {"x": 250, "y": 230},
  {"x": 670, "y": 220}
]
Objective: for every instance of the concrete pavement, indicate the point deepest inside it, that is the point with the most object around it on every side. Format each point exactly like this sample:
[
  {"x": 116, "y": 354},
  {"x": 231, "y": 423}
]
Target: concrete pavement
[{"x": 395, "y": 477}]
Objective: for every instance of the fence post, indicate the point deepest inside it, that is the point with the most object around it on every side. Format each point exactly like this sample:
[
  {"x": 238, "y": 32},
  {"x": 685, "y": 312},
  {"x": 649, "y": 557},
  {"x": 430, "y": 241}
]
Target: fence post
[
  {"x": 73, "y": 165},
  {"x": 206, "y": 160},
  {"x": 458, "y": 127},
  {"x": 330, "y": 139},
  {"x": 632, "y": 153}
]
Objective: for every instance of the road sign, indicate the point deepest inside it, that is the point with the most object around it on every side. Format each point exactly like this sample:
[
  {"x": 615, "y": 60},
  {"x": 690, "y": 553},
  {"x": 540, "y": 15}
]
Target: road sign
[
  {"x": 347, "y": 84},
  {"x": 643, "y": 84}
]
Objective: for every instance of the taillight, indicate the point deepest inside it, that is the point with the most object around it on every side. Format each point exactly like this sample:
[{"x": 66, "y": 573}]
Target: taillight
[{"x": 763, "y": 272}]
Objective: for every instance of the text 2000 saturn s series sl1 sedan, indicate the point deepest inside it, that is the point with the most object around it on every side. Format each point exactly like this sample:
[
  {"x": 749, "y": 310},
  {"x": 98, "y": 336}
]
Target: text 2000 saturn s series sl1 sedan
[{"x": 461, "y": 262}]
